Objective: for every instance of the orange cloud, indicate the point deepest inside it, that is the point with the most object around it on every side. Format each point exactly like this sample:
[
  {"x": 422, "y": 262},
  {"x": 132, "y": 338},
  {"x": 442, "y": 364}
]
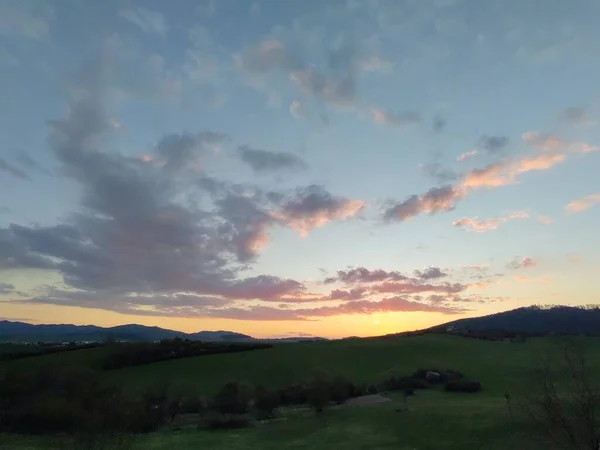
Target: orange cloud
[
  {"x": 581, "y": 204},
  {"x": 316, "y": 219},
  {"x": 503, "y": 173},
  {"x": 474, "y": 224}
]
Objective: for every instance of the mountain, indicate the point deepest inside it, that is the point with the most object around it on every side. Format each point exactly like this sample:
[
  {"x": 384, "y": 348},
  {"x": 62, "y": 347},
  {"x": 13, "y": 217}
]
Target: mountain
[
  {"x": 25, "y": 332},
  {"x": 534, "y": 319}
]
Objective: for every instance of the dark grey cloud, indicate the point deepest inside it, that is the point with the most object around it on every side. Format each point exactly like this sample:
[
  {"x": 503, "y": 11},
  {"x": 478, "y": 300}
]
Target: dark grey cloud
[
  {"x": 335, "y": 82},
  {"x": 6, "y": 288},
  {"x": 26, "y": 161},
  {"x": 577, "y": 115},
  {"x": 314, "y": 206},
  {"x": 430, "y": 273},
  {"x": 264, "y": 161},
  {"x": 493, "y": 144},
  {"x": 439, "y": 172},
  {"x": 13, "y": 170},
  {"x": 438, "y": 124},
  {"x": 187, "y": 150},
  {"x": 433, "y": 201},
  {"x": 363, "y": 275}
]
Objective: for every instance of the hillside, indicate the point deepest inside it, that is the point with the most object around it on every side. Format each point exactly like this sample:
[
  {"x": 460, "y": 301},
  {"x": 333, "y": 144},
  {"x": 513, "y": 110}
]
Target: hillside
[
  {"x": 24, "y": 332},
  {"x": 534, "y": 320}
]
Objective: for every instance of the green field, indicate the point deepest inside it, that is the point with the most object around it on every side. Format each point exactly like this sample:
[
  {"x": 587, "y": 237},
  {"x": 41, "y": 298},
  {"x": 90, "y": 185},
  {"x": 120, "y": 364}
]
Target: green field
[{"x": 435, "y": 420}]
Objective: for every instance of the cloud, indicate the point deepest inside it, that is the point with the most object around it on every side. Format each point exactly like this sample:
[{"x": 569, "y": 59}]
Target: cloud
[
  {"x": 414, "y": 287},
  {"x": 545, "y": 219},
  {"x": 430, "y": 273},
  {"x": 493, "y": 144},
  {"x": 438, "y": 172},
  {"x": 7, "y": 167},
  {"x": 555, "y": 143},
  {"x": 149, "y": 21},
  {"x": 352, "y": 294},
  {"x": 313, "y": 207},
  {"x": 475, "y": 224},
  {"x": 438, "y": 124},
  {"x": 401, "y": 120},
  {"x": 583, "y": 203},
  {"x": 466, "y": 155},
  {"x": 363, "y": 275},
  {"x": 264, "y": 161},
  {"x": 576, "y": 115},
  {"x": 186, "y": 151},
  {"x": 25, "y": 18},
  {"x": 522, "y": 263},
  {"x": 6, "y": 288},
  {"x": 298, "y": 110},
  {"x": 433, "y": 201},
  {"x": 555, "y": 151},
  {"x": 333, "y": 82},
  {"x": 503, "y": 173}
]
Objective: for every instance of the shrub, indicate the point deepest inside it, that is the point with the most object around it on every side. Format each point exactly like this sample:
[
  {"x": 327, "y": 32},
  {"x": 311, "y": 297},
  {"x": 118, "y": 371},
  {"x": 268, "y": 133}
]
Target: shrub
[
  {"x": 318, "y": 391},
  {"x": 191, "y": 405},
  {"x": 445, "y": 375},
  {"x": 293, "y": 395},
  {"x": 462, "y": 385},
  {"x": 341, "y": 389},
  {"x": 372, "y": 389},
  {"x": 233, "y": 398},
  {"x": 219, "y": 421},
  {"x": 266, "y": 401}
]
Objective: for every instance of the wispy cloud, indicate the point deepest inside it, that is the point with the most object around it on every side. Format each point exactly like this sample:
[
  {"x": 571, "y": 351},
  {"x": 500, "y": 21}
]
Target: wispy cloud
[
  {"x": 522, "y": 263},
  {"x": 482, "y": 225},
  {"x": 583, "y": 203},
  {"x": 149, "y": 21},
  {"x": 466, "y": 155},
  {"x": 399, "y": 119}
]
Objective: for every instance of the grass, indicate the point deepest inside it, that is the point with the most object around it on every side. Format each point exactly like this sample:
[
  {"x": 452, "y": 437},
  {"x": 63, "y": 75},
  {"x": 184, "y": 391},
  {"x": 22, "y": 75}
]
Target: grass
[{"x": 436, "y": 420}]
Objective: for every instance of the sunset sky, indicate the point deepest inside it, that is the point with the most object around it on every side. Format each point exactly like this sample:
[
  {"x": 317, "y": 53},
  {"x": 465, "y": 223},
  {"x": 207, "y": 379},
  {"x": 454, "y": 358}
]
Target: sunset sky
[{"x": 297, "y": 167}]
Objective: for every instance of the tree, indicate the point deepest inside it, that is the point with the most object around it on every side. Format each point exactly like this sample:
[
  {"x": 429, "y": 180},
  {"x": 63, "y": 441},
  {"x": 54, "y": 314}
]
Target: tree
[
  {"x": 266, "y": 401},
  {"x": 567, "y": 404},
  {"x": 233, "y": 398},
  {"x": 318, "y": 390}
]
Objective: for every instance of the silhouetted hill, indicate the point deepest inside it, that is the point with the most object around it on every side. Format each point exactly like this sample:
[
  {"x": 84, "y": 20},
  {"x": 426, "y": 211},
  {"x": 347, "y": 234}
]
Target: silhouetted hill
[
  {"x": 25, "y": 332},
  {"x": 534, "y": 320}
]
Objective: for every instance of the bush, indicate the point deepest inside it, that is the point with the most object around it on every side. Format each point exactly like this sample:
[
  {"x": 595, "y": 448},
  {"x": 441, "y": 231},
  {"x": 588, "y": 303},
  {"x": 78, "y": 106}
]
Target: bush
[
  {"x": 445, "y": 375},
  {"x": 266, "y": 401},
  {"x": 462, "y": 385},
  {"x": 218, "y": 421},
  {"x": 341, "y": 389},
  {"x": 318, "y": 391},
  {"x": 233, "y": 398},
  {"x": 191, "y": 405},
  {"x": 293, "y": 395}
]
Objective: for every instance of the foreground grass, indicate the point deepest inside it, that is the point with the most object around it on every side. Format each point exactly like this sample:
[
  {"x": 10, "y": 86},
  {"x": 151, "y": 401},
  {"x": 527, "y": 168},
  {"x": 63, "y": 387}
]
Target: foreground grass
[
  {"x": 500, "y": 366},
  {"x": 435, "y": 421}
]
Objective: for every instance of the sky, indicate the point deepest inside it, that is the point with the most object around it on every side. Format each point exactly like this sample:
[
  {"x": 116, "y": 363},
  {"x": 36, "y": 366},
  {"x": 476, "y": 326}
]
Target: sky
[{"x": 297, "y": 168}]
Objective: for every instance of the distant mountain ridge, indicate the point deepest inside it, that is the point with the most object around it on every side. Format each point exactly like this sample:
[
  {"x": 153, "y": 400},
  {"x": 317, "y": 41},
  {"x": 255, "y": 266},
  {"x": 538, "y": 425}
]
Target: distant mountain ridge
[
  {"x": 26, "y": 332},
  {"x": 535, "y": 320}
]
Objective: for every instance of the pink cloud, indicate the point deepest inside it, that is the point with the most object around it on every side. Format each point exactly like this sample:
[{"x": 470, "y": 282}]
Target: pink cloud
[
  {"x": 466, "y": 155},
  {"x": 433, "y": 201},
  {"x": 475, "y": 224},
  {"x": 554, "y": 143},
  {"x": 583, "y": 203},
  {"x": 545, "y": 219},
  {"x": 503, "y": 173},
  {"x": 411, "y": 287},
  {"x": 522, "y": 263}
]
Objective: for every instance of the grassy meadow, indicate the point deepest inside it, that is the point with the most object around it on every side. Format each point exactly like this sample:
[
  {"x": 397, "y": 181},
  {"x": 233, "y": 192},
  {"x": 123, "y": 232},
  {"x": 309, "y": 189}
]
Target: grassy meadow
[{"x": 435, "y": 420}]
